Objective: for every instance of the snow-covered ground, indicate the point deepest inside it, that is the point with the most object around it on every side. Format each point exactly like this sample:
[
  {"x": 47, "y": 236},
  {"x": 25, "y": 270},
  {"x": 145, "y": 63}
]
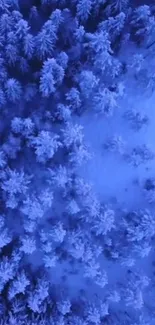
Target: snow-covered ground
[{"x": 112, "y": 176}]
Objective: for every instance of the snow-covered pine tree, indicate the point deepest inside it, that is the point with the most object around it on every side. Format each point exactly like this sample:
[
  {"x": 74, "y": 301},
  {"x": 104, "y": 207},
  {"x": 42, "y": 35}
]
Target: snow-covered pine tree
[
  {"x": 46, "y": 145},
  {"x": 51, "y": 76}
]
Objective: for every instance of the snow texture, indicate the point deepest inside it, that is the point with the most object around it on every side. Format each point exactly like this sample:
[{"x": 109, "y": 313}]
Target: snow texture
[{"x": 77, "y": 153}]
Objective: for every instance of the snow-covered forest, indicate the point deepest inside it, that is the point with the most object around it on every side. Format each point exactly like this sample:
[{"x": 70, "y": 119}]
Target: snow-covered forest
[{"x": 77, "y": 162}]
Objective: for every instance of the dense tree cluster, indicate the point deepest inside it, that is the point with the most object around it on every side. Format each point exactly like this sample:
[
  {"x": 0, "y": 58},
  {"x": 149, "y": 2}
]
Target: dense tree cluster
[{"x": 59, "y": 60}]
